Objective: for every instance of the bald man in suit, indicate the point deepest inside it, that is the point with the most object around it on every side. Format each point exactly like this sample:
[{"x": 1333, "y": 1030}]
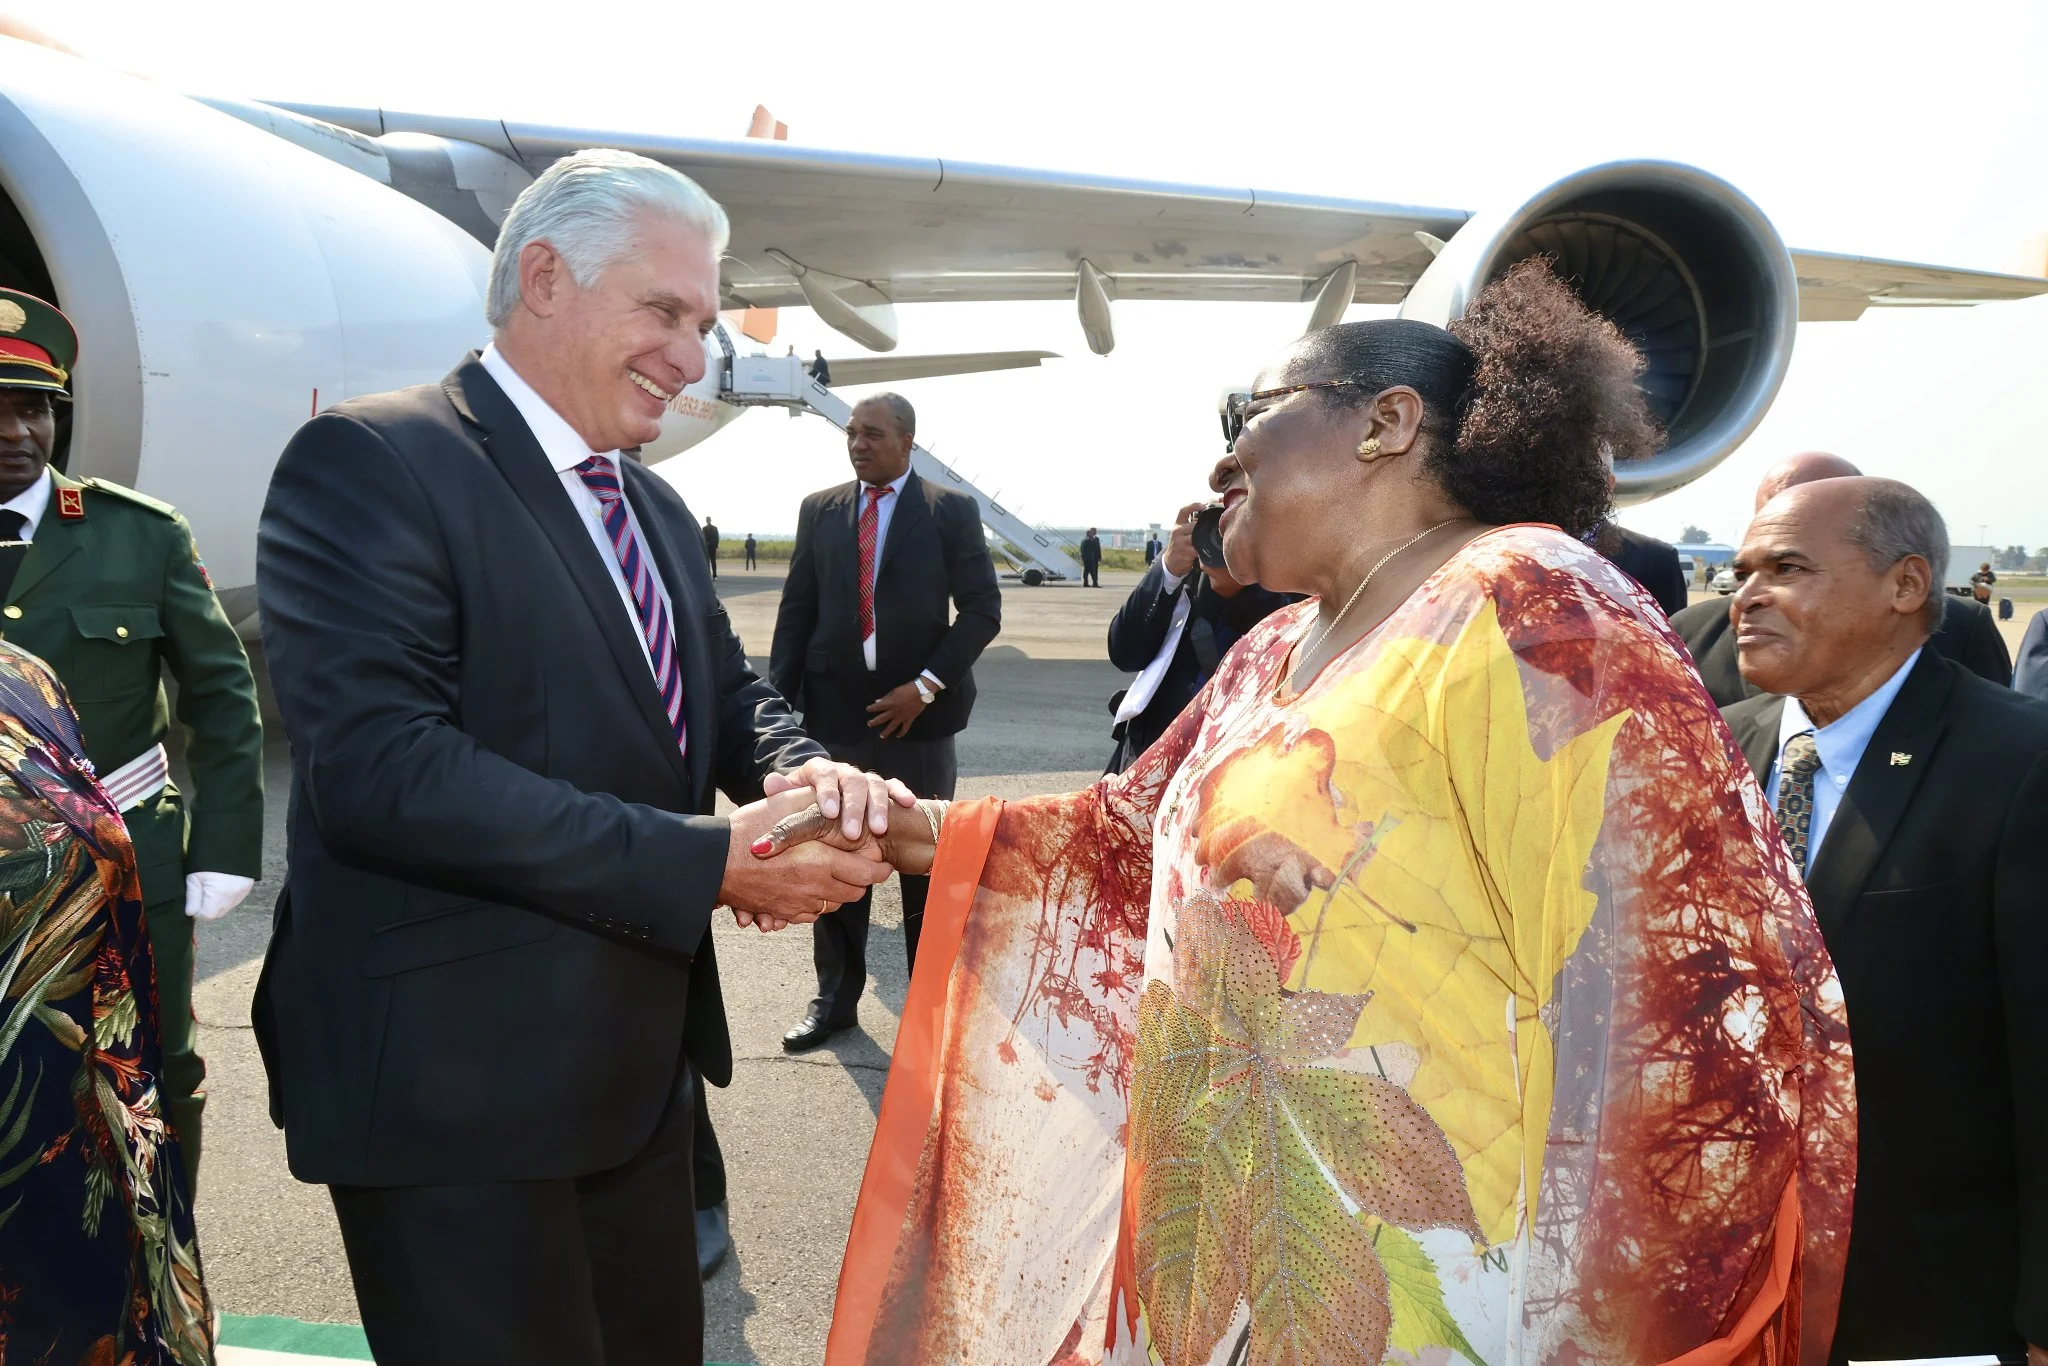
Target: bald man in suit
[{"x": 1966, "y": 633}]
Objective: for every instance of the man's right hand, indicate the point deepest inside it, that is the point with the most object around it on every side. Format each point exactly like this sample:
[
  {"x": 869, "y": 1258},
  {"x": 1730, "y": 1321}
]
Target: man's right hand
[
  {"x": 1180, "y": 546},
  {"x": 796, "y": 887}
]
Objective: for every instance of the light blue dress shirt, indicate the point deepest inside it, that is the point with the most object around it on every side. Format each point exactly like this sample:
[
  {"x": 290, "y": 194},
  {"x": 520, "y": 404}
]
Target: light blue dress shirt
[{"x": 1841, "y": 744}]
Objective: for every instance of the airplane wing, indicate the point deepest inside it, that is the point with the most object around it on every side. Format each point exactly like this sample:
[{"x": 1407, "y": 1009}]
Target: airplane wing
[
  {"x": 1838, "y": 288},
  {"x": 884, "y": 229},
  {"x": 926, "y": 229}
]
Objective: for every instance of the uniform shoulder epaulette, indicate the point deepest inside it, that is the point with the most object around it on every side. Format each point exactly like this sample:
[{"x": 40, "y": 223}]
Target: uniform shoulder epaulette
[{"x": 128, "y": 495}]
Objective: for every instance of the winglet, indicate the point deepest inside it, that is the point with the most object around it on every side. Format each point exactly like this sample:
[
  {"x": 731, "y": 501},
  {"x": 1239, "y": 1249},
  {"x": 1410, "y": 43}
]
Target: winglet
[{"x": 758, "y": 324}]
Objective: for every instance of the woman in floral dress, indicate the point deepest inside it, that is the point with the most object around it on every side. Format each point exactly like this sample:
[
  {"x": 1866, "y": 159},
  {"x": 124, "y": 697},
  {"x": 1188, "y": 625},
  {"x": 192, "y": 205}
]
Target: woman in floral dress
[
  {"x": 1437, "y": 989},
  {"x": 98, "y": 1262}
]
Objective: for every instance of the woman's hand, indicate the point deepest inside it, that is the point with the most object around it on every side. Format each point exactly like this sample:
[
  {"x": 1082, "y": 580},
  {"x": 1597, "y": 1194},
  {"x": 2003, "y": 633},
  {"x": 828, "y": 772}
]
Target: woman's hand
[{"x": 909, "y": 846}]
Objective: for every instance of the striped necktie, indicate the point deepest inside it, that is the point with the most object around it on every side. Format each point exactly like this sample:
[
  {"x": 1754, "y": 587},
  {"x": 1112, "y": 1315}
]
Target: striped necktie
[
  {"x": 602, "y": 479},
  {"x": 1796, "y": 767},
  {"x": 870, "y": 523}
]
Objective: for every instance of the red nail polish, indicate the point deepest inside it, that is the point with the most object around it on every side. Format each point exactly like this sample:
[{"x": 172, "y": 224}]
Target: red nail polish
[{"x": 762, "y": 846}]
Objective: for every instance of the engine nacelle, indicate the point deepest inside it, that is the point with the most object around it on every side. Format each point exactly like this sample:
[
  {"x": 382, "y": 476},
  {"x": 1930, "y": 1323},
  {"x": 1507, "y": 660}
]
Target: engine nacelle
[{"x": 1683, "y": 263}]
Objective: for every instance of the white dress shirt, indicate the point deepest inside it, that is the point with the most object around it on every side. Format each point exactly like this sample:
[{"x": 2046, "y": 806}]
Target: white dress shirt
[
  {"x": 32, "y": 502},
  {"x": 565, "y": 451},
  {"x": 1840, "y": 743}
]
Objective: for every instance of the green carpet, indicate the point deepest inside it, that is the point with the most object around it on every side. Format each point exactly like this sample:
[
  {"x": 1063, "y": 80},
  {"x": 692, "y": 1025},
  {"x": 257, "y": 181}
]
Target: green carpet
[
  {"x": 266, "y": 1333},
  {"x": 343, "y": 1340}
]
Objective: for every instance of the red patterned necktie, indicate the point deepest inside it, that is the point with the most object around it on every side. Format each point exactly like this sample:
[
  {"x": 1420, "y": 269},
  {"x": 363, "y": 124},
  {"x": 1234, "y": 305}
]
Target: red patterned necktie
[
  {"x": 870, "y": 523},
  {"x": 602, "y": 479}
]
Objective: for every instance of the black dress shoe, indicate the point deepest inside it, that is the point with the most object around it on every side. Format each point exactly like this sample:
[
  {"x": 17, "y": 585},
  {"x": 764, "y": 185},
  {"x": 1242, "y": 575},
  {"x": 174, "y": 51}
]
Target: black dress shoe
[
  {"x": 714, "y": 1240},
  {"x": 812, "y": 1033}
]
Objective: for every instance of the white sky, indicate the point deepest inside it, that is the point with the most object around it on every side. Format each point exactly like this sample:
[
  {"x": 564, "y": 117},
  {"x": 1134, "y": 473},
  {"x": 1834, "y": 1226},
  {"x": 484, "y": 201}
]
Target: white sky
[{"x": 1888, "y": 129}]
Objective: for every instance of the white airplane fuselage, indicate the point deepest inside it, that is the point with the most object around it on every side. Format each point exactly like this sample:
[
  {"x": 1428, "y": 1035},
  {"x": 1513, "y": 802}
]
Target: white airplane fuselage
[{"x": 228, "y": 285}]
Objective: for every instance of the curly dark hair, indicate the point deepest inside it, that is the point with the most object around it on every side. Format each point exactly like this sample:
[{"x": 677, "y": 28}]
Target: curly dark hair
[{"x": 1525, "y": 398}]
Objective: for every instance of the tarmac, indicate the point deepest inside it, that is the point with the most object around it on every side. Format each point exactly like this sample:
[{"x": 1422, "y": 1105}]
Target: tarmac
[{"x": 795, "y": 1130}]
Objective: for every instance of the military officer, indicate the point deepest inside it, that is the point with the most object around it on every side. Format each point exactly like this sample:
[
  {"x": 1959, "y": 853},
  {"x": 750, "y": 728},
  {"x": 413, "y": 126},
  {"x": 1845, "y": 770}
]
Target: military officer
[{"x": 107, "y": 587}]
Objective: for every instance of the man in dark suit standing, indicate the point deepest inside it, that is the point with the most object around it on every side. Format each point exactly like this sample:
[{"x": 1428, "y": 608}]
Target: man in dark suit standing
[
  {"x": 866, "y": 644},
  {"x": 1915, "y": 797},
  {"x": 1967, "y": 634},
  {"x": 490, "y": 976},
  {"x": 1152, "y": 548},
  {"x": 711, "y": 545},
  {"x": 1171, "y": 631},
  {"x": 1091, "y": 560}
]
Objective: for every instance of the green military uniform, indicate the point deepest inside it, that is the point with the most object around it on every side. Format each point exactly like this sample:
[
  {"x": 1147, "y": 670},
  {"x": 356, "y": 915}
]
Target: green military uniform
[{"x": 110, "y": 594}]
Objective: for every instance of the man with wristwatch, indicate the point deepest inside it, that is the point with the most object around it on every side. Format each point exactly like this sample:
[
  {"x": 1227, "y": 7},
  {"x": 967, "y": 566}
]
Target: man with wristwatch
[{"x": 890, "y": 599}]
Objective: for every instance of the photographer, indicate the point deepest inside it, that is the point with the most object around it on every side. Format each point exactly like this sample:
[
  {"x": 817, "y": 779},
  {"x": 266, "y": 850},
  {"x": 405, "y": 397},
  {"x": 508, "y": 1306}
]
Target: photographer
[{"x": 1173, "y": 628}]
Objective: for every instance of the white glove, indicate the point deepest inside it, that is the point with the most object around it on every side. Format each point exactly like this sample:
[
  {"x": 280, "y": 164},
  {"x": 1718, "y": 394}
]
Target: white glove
[{"x": 209, "y": 896}]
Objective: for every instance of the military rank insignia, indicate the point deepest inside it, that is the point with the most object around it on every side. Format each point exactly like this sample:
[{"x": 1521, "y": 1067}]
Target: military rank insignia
[
  {"x": 71, "y": 505},
  {"x": 200, "y": 565}
]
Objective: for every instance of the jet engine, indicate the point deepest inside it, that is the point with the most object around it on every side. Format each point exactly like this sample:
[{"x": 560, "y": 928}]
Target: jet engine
[{"x": 1683, "y": 263}]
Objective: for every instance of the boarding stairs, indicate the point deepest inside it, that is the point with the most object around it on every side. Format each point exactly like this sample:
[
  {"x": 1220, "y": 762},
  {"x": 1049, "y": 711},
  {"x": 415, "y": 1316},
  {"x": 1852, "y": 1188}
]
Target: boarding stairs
[{"x": 782, "y": 382}]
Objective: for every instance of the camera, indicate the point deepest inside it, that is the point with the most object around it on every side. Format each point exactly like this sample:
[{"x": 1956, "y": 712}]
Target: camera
[{"x": 1208, "y": 536}]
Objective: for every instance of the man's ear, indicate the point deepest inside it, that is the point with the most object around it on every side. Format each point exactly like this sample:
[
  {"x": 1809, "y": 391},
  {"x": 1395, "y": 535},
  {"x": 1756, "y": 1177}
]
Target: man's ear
[
  {"x": 1912, "y": 584},
  {"x": 541, "y": 275}
]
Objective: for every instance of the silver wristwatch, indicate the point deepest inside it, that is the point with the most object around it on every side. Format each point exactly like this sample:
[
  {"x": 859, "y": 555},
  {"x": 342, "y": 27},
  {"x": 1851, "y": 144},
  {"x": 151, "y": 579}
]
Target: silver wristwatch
[{"x": 924, "y": 690}]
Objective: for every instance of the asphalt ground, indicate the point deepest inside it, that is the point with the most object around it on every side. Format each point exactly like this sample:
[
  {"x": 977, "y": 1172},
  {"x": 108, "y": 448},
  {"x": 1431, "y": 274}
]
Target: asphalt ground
[{"x": 795, "y": 1130}]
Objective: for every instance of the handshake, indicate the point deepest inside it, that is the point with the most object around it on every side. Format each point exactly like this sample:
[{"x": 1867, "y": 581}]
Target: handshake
[{"x": 820, "y": 838}]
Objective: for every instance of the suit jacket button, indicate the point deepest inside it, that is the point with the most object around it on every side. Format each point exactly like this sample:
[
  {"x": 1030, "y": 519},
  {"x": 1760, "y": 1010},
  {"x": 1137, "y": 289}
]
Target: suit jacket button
[{"x": 11, "y": 612}]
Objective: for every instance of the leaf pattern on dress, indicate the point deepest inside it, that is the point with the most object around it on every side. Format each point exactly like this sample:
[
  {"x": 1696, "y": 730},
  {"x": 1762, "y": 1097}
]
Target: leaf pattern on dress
[
  {"x": 1557, "y": 889},
  {"x": 1255, "y": 1162},
  {"x": 83, "y": 1136}
]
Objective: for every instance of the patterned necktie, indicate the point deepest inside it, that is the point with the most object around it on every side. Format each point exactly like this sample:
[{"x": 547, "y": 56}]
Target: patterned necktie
[
  {"x": 602, "y": 479},
  {"x": 1796, "y": 767},
  {"x": 870, "y": 523}
]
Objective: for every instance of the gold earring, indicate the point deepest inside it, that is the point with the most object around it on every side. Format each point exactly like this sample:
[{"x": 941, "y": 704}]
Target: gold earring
[{"x": 1369, "y": 447}]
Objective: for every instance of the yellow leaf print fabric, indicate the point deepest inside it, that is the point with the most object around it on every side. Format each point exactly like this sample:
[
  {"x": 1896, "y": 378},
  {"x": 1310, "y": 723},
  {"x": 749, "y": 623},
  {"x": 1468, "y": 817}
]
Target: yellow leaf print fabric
[{"x": 1462, "y": 1007}]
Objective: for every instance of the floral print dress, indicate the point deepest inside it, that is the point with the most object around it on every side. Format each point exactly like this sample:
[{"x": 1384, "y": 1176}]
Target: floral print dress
[
  {"x": 99, "y": 1265},
  {"x": 1541, "y": 1060}
]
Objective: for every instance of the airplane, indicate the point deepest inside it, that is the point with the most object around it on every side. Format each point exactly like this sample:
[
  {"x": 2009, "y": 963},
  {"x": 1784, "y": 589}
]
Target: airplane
[{"x": 235, "y": 266}]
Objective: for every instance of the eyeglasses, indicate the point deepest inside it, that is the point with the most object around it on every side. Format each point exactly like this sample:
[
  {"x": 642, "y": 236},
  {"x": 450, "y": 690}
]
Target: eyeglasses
[{"x": 1237, "y": 408}]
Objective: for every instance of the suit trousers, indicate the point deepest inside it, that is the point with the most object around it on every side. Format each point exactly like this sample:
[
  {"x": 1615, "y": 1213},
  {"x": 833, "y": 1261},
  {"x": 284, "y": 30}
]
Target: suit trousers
[
  {"x": 839, "y": 941},
  {"x": 598, "y": 1270}
]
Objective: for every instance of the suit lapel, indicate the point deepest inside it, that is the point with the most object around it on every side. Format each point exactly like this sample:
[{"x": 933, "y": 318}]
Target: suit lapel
[
  {"x": 687, "y": 612},
  {"x": 839, "y": 523},
  {"x": 910, "y": 514},
  {"x": 1879, "y": 792},
  {"x": 56, "y": 541},
  {"x": 524, "y": 465},
  {"x": 848, "y": 520}
]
